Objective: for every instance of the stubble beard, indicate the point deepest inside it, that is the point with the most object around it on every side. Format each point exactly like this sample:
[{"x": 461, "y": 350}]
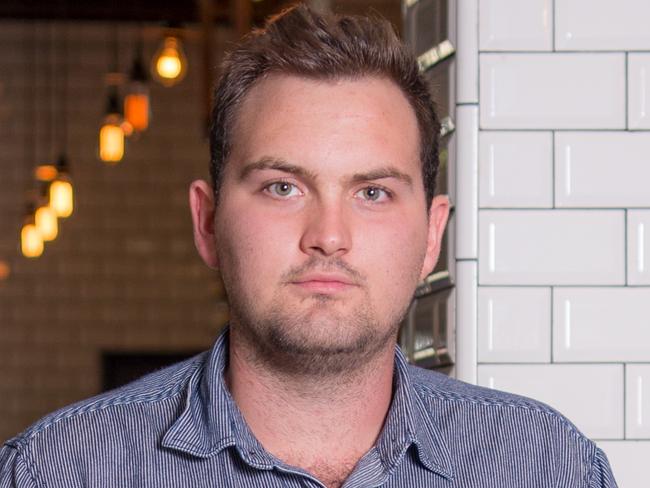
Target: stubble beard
[{"x": 318, "y": 342}]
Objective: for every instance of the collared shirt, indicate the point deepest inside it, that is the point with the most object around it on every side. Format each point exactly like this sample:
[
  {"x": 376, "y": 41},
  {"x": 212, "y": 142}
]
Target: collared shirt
[{"x": 179, "y": 427}]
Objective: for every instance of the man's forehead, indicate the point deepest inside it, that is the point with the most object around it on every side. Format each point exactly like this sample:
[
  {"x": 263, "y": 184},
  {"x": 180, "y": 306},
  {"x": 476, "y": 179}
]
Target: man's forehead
[{"x": 369, "y": 114}]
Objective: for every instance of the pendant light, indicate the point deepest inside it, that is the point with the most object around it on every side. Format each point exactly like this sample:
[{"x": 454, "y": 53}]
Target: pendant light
[
  {"x": 169, "y": 64},
  {"x": 111, "y": 134},
  {"x": 61, "y": 197},
  {"x": 136, "y": 101},
  {"x": 45, "y": 217},
  {"x": 31, "y": 241}
]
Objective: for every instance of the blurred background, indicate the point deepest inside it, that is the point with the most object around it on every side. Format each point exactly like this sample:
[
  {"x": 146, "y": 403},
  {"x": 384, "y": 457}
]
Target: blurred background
[
  {"x": 107, "y": 103},
  {"x": 543, "y": 287}
]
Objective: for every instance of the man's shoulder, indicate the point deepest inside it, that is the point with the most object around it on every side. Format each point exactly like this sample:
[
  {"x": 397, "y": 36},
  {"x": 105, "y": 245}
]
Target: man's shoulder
[
  {"x": 154, "y": 390},
  {"x": 459, "y": 399}
]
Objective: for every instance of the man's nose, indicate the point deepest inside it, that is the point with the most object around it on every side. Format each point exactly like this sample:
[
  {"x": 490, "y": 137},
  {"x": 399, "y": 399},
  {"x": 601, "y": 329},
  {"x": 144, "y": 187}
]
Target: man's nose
[{"x": 327, "y": 229}]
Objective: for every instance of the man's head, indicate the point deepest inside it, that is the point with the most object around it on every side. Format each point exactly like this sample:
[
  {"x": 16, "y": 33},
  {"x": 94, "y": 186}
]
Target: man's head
[
  {"x": 324, "y": 225},
  {"x": 303, "y": 43}
]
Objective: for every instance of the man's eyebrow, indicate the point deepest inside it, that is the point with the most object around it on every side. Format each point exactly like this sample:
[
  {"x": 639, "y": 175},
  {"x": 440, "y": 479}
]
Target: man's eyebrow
[
  {"x": 277, "y": 164},
  {"x": 379, "y": 173}
]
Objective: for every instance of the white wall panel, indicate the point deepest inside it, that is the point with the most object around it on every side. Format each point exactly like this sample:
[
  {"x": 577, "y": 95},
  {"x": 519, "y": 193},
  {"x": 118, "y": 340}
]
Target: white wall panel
[
  {"x": 466, "y": 207},
  {"x": 591, "y": 396},
  {"x": 514, "y": 324},
  {"x": 602, "y": 169},
  {"x": 532, "y": 30},
  {"x": 546, "y": 247},
  {"x": 467, "y": 52},
  {"x": 515, "y": 169},
  {"x": 602, "y": 25},
  {"x": 466, "y": 319},
  {"x": 552, "y": 91},
  {"x": 629, "y": 461},
  {"x": 601, "y": 324}
]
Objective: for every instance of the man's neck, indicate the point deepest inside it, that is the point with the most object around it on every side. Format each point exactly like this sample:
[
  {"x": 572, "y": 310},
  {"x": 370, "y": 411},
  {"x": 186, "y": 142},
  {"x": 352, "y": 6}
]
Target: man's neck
[{"x": 324, "y": 424}]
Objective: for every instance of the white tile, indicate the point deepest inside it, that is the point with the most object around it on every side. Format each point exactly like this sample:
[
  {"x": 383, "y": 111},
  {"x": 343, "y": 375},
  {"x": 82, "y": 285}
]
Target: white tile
[
  {"x": 515, "y": 169},
  {"x": 602, "y": 25},
  {"x": 466, "y": 312},
  {"x": 638, "y": 91},
  {"x": 602, "y": 169},
  {"x": 629, "y": 461},
  {"x": 467, "y": 52},
  {"x": 638, "y": 247},
  {"x": 637, "y": 402},
  {"x": 551, "y": 247},
  {"x": 532, "y": 30},
  {"x": 552, "y": 91},
  {"x": 591, "y": 396},
  {"x": 601, "y": 324},
  {"x": 466, "y": 206},
  {"x": 514, "y": 324}
]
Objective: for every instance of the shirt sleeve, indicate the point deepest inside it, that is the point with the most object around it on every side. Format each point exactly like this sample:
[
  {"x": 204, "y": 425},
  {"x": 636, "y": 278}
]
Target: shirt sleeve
[
  {"x": 14, "y": 471},
  {"x": 601, "y": 472}
]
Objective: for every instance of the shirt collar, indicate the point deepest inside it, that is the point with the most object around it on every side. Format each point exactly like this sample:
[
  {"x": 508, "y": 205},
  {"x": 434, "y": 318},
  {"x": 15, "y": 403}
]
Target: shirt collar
[{"x": 211, "y": 421}]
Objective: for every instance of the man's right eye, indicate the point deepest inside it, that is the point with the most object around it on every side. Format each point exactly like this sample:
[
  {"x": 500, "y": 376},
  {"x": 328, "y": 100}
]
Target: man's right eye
[{"x": 282, "y": 189}]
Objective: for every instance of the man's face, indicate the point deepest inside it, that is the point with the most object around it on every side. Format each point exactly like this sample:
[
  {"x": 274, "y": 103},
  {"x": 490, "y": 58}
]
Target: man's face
[{"x": 322, "y": 230}]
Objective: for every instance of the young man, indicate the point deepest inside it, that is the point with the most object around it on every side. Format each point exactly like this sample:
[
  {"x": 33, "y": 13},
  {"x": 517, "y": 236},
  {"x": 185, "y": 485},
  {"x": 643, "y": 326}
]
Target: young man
[{"x": 322, "y": 219}]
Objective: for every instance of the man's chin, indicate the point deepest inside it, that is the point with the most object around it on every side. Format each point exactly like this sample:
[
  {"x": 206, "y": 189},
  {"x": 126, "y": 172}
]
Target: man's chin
[{"x": 326, "y": 353}]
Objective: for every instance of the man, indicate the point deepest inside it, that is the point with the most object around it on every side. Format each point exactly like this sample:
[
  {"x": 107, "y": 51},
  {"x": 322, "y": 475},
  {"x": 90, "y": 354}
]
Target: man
[{"x": 322, "y": 220}]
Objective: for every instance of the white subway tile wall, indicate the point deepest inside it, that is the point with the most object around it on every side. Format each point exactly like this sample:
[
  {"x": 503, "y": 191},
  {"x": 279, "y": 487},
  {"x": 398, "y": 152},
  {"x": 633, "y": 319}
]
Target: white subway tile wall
[
  {"x": 551, "y": 247},
  {"x": 552, "y": 91},
  {"x": 602, "y": 25},
  {"x": 514, "y": 324},
  {"x": 515, "y": 169},
  {"x": 564, "y": 253},
  {"x": 601, "y": 324},
  {"x": 591, "y": 395},
  {"x": 637, "y": 412},
  {"x": 602, "y": 169},
  {"x": 513, "y": 25}
]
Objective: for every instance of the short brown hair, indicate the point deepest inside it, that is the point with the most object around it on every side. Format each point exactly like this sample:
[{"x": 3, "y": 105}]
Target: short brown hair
[{"x": 304, "y": 43}]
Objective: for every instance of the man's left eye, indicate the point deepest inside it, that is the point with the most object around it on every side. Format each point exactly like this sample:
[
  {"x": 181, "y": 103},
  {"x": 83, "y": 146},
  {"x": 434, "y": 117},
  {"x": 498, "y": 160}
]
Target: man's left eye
[{"x": 374, "y": 194}]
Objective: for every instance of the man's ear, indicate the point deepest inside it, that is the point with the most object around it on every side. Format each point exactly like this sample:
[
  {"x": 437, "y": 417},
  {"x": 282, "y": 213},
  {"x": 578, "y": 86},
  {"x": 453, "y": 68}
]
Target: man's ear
[
  {"x": 438, "y": 215},
  {"x": 202, "y": 208}
]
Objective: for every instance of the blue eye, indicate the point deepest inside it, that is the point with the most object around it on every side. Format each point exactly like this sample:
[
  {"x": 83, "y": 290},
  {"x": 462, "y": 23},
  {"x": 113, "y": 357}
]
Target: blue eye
[
  {"x": 282, "y": 189},
  {"x": 374, "y": 194}
]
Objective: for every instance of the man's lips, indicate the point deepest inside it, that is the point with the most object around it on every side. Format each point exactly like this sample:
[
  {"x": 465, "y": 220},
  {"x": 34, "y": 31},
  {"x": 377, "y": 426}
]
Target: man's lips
[{"x": 324, "y": 283}]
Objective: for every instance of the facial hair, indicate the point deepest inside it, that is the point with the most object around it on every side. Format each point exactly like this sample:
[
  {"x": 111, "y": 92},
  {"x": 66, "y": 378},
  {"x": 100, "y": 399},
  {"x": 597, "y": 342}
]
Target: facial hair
[{"x": 316, "y": 340}]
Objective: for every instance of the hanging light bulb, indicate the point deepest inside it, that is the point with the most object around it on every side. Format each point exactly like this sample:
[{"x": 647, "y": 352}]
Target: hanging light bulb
[
  {"x": 111, "y": 135},
  {"x": 61, "y": 192},
  {"x": 169, "y": 64},
  {"x": 45, "y": 217},
  {"x": 136, "y": 102},
  {"x": 31, "y": 241},
  {"x": 45, "y": 172}
]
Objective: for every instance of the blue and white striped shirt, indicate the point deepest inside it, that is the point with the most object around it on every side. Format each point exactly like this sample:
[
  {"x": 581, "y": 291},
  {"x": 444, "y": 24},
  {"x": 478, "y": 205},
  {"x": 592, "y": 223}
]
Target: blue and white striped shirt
[{"x": 179, "y": 427}]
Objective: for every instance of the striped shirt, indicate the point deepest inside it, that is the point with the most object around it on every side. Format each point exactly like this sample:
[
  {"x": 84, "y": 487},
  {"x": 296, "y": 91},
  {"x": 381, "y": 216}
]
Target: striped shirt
[{"x": 179, "y": 427}]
